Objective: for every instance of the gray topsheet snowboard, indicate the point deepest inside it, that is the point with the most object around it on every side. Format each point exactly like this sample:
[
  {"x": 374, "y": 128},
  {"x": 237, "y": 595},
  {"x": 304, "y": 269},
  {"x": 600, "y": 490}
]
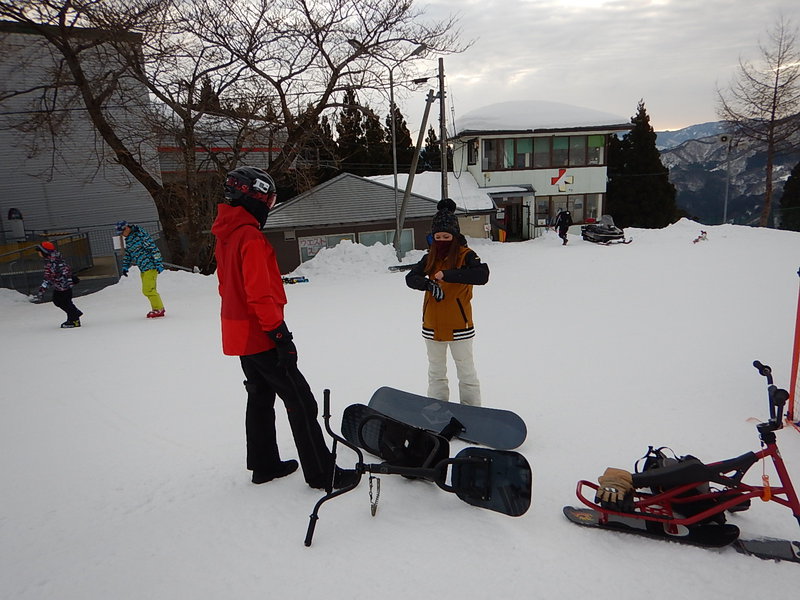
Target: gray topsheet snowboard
[{"x": 493, "y": 427}]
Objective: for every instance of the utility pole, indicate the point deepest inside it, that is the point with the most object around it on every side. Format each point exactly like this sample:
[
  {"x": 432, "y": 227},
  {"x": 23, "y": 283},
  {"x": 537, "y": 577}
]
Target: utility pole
[
  {"x": 411, "y": 172},
  {"x": 730, "y": 142},
  {"x": 442, "y": 129}
]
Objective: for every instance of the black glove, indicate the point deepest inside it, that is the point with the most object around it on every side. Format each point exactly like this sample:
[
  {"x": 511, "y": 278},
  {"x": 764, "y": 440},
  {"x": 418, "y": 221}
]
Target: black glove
[
  {"x": 435, "y": 289},
  {"x": 287, "y": 351}
]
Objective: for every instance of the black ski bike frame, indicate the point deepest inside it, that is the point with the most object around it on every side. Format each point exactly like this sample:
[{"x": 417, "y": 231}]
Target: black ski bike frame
[
  {"x": 437, "y": 473},
  {"x": 658, "y": 508}
]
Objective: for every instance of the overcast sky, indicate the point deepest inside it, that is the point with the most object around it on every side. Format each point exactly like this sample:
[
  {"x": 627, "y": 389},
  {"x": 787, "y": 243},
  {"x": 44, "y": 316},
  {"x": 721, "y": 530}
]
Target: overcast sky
[{"x": 604, "y": 55}]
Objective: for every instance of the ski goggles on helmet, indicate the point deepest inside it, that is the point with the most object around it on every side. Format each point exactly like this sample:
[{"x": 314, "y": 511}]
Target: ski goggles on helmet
[{"x": 258, "y": 190}]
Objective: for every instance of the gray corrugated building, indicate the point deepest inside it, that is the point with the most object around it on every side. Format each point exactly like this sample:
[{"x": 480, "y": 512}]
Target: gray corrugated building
[{"x": 69, "y": 181}]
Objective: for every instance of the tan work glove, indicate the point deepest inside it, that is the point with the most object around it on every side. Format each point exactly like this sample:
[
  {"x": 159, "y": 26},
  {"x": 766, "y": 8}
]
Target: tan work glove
[{"x": 615, "y": 484}]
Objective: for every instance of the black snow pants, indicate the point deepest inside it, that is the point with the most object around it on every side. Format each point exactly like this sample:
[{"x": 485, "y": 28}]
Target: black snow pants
[
  {"x": 265, "y": 380},
  {"x": 63, "y": 300}
]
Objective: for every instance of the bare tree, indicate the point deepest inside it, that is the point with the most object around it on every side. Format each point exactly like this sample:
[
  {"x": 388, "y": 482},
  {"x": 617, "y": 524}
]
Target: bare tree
[
  {"x": 221, "y": 76},
  {"x": 762, "y": 103},
  {"x": 307, "y": 54}
]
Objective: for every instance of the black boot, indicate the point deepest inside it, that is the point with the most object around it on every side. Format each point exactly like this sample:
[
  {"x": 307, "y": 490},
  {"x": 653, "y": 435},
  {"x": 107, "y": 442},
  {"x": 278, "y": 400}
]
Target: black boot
[
  {"x": 341, "y": 478},
  {"x": 345, "y": 477},
  {"x": 285, "y": 468}
]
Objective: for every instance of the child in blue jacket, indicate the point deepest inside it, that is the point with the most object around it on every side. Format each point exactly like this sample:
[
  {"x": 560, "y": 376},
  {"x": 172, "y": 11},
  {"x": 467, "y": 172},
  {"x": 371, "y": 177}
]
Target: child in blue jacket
[{"x": 141, "y": 250}]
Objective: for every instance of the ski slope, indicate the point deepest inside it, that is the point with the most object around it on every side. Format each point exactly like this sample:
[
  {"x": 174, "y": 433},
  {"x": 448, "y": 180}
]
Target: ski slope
[{"x": 123, "y": 441}]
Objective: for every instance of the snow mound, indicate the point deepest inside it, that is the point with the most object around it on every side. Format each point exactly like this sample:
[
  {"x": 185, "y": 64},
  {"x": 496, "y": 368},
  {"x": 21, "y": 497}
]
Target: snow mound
[
  {"x": 12, "y": 296},
  {"x": 348, "y": 258}
]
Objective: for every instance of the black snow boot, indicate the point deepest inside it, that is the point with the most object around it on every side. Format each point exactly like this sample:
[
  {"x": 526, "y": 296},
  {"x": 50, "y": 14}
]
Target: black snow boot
[{"x": 286, "y": 467}]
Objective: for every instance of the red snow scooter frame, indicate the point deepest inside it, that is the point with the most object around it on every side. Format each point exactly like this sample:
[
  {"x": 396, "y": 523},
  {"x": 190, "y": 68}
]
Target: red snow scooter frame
[{"x": 660, "y": 515}]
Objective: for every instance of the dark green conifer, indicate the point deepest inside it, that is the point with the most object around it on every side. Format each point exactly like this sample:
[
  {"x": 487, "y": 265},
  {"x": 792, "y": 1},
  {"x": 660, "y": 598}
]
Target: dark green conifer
[
  {"x": 790, "y": 201},
  {"x": 350, "y": 135},
  {"x": 639, "y": 192}
]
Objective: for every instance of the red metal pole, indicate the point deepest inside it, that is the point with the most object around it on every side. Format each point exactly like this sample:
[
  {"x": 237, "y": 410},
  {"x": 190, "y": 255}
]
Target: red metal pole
[{"x": 795, "y": 359}]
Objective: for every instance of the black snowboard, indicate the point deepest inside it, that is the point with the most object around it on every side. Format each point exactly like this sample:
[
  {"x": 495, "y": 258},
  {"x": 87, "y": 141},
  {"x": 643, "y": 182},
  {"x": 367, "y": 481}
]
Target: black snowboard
[
  {"x": 705, "y": 536},
  {"x": 498, "y": 480},
  {"x": 397, "y": 443},
  {"x": 492, "y": 427}
]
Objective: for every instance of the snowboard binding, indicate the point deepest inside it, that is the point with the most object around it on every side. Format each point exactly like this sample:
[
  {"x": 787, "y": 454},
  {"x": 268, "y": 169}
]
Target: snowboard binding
[
  {"x": 497, "y": 480},
  {"x": 687, "y": 499}
]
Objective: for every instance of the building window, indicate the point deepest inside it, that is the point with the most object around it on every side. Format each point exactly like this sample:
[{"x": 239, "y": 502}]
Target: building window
[
  {"x": 472, "y": 152},
  {"x": 523, "y": 155},
  {"x": 596, "y": 150},
  {"x": 560, "y": 151},
  {"x": 581, "y": 206},
  {"x": 592, "y": 207},
  {"x": 508, "y": 154},
  {"x": 542, "y": 211},
  {"x": 490, "y": 162},
  {"x": 575, "y": 204},
  {"x": 539, "y": 152},
  {"x": 370, "y": 238},
  {"x": 577, "y": 150}
]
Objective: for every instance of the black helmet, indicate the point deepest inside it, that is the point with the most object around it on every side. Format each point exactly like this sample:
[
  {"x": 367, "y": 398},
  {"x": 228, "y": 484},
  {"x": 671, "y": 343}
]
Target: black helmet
[{"x": 253, "y": 189}]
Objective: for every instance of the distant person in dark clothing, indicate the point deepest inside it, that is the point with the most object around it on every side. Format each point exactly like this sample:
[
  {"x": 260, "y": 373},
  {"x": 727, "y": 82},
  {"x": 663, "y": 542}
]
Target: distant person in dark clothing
[
  {"x": 253, "y": 329},
  {"x": 562, "y": 224},
  {"x": 58, "y": 274}
]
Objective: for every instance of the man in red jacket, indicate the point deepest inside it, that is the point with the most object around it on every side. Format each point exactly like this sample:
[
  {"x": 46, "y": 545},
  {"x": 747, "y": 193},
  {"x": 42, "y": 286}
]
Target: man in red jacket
[{"x": 253, "y": 329}]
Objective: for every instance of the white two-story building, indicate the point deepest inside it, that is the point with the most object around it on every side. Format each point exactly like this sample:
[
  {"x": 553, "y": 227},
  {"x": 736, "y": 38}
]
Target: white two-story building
[{"x": 557, "y": 153}]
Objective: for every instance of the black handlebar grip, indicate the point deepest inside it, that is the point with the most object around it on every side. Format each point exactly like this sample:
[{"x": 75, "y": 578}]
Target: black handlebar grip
[
  {"x": 780, "y": 397},
  {"x": 762, "y": 369}
]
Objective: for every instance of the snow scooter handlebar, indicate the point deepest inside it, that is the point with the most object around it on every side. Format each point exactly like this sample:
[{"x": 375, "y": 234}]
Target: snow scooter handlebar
[
  {"x": 331, "y": 493},
  {"x": 777, "y": 400},
  {"x": 763, "y": 370}
]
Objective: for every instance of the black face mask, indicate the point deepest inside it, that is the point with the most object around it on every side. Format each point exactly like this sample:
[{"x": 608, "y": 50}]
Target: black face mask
[
  {"x": 441, "y": 247},
  {"x": 255, "y": 207}
]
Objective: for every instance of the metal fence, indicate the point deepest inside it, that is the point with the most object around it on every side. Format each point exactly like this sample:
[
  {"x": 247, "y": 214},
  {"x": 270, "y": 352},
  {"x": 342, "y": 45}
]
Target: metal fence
[
  {"x": 21, "y": 267},
  {"x": 101, "y": 237}
]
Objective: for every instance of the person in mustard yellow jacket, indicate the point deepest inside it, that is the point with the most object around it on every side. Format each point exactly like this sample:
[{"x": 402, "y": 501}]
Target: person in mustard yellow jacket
[{"x": 446, "y": 274}]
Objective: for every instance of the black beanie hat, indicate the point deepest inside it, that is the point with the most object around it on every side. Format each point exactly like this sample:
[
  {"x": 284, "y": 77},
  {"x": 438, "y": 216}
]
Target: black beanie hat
[{"x": 445, "y": 218}]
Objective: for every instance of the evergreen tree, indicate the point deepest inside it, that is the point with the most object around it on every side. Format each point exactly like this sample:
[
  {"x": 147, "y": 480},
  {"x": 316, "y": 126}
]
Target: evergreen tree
[
  {"x": 790, "y": 201},
  {"x": 378, "y": 149},
  {"x": 404, "y": 145},
  {"x": 350, "y": 134},
  {"x": 431, "y": 154},
  {"x": 639, "y": 192},
  {"x": 320, "y": 157}
]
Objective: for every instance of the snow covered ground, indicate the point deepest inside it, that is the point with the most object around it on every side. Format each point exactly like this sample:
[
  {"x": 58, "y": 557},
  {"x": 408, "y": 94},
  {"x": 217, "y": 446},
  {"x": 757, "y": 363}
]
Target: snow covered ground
[{"x": 123, "y": 447}]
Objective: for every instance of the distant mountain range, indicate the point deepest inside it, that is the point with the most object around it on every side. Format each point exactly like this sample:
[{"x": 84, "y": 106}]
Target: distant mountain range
[
  {"x": 700, "y": 159},
  {"x": 670, "y": 139}
]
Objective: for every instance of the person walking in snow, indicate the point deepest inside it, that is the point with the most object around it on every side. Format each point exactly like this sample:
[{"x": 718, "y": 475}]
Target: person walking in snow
[
  {"x": 562, "y": 224},
  {"x": 446, "y": 273},
  {"x": 141, "y": 250},
  {"x": 58, "y": 274},
  {"x": 253, "y": 328}
]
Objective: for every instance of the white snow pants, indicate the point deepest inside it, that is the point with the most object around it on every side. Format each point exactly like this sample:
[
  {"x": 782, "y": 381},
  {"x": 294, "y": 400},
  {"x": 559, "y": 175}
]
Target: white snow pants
[{"x": 469, "y": 388}]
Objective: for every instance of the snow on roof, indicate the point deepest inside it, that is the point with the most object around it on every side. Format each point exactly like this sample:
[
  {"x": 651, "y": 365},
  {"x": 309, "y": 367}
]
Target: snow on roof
[
  {"x": 462, "y": 188},
  {"x": 521, "y": 115}
]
